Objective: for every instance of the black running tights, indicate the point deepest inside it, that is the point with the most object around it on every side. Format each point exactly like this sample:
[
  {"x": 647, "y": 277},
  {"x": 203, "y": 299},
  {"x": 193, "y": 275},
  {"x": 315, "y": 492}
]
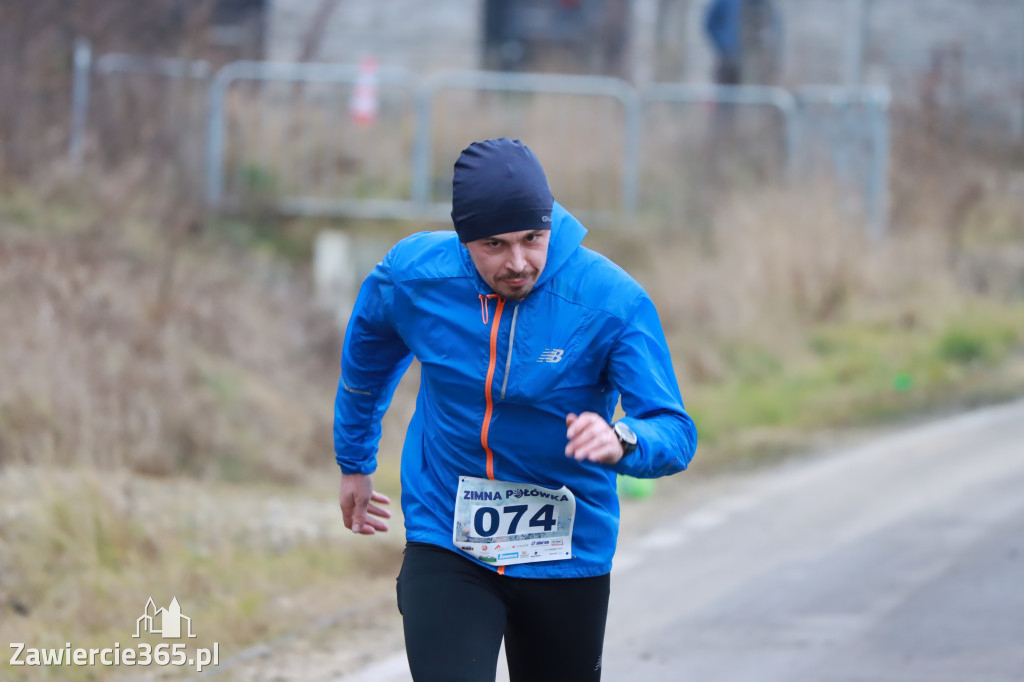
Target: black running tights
[{"x": 455, "y": 613}]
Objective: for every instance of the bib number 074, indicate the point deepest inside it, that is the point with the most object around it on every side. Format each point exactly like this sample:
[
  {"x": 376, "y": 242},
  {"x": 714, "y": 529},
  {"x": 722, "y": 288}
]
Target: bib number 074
[{"x": 506, "y": 520}]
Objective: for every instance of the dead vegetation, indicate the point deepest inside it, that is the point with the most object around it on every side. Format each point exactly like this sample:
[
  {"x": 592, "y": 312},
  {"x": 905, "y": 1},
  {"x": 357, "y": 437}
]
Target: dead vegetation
[{"x": 160, "y": 360}]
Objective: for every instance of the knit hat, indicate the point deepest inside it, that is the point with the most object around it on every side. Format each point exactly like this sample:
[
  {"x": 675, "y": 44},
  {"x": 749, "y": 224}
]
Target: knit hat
[{"x": 499, "y": 187}]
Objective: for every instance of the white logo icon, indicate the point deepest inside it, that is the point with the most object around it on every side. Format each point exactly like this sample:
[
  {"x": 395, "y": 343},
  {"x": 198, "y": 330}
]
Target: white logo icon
[
  {"x": 551, "y": 355},
  {"x": 170, "y": 621}
]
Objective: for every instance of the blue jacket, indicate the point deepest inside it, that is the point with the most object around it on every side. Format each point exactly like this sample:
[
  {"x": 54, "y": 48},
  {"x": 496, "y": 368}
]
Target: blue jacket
[
  {"x": 498, "y": 378},
  {"x": 722, "y": 22}
]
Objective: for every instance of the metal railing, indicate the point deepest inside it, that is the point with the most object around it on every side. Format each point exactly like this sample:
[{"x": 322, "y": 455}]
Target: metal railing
[
  {"x": 749, "y": 95},
  {"x": 852, "y": 123},
  {"x": 297, "y": 73},
  {"x": 586, "y": 86},
  {"x": 115, "y": 64}
]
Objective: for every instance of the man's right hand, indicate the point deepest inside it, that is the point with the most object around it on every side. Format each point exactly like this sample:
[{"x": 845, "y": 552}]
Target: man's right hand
[{"x": 355, "y": 497}]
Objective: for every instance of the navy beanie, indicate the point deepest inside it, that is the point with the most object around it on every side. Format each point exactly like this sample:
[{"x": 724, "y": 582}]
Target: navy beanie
[{"x": 499, "y": 187}]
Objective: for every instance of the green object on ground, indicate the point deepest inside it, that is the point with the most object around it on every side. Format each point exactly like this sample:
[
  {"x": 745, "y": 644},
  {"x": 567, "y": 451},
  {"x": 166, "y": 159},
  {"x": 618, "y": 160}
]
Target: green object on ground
[
  {"x": 636, "y": 488},
  {"x": 903, "y": 382}
]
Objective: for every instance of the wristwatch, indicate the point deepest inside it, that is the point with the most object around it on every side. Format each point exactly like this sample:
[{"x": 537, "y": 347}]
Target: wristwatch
[{"x": 627, "y": 439}]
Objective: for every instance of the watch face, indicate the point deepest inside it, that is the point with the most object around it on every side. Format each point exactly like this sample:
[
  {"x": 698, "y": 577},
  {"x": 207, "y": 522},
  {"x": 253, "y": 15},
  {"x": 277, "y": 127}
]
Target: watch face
[{"x": 625, "y": 433}]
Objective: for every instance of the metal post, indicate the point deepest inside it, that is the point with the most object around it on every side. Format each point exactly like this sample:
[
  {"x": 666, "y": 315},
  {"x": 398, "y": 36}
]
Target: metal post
[
  {"x": 631, "y": 157},
  {"x": 794, "y": 131},
  {"x": 215, "y": 136},
  {"x": 82, "y": 66},
  {"x": 1018, "y": 124},
  {"x": 854, "y": 53},
  {"x": 422, "y": 147},
  {"x": 878, "y": 180}
]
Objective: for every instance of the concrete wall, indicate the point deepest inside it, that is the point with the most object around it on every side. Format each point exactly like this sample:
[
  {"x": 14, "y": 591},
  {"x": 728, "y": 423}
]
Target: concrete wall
[
  {"x": 967, "y": 51},
  {"x": 414, "y": 34},
  {"x": 418, "y": 35},
  {"x": 900, "y": 34},
  {"x": 964, "y": 56}
]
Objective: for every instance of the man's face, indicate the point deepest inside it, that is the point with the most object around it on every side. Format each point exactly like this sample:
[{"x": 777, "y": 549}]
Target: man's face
[{"x": 511, "y": 262}]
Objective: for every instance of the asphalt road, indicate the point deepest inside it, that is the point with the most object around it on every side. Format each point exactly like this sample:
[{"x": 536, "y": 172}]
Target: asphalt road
[{"x": 898, "y": 560}]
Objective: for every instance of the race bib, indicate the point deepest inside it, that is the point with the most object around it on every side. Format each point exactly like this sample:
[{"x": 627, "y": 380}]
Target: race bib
[{"x": 505, "y": 523}]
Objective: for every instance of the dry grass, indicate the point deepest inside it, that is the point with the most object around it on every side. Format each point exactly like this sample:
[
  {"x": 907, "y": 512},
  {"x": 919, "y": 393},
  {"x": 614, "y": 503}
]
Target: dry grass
[
  {"x": 159, "y": 359},
  {"x": 81, "y": 552},
  {"x": 777, "y": 264},
  {"x": 288, "y": 141}
]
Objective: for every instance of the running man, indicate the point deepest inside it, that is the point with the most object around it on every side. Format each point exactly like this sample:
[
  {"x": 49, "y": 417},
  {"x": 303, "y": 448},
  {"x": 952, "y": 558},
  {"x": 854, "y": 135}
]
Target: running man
[{"x": 526, "y": 340}]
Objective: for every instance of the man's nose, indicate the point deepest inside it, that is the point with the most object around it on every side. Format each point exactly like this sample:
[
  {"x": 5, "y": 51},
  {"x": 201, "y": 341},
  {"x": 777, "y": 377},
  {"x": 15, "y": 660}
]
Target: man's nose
[{"x": 517, "y": 258}]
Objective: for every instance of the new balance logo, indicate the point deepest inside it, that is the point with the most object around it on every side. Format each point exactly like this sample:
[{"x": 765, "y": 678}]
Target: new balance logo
[{"x": 551, "y": 355}]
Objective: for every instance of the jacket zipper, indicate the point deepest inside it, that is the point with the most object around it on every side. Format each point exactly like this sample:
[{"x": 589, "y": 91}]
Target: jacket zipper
[{"x": 488, "y": 397}]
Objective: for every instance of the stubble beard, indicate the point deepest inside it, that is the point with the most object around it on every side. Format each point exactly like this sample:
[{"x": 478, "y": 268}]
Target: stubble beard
[{"x": 516, "y": 293}]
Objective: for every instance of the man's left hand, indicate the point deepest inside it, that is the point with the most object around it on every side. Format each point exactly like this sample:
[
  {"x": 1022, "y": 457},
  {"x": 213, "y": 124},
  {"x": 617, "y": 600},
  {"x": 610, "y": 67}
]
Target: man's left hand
[{"x": 591, "y": 438}]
